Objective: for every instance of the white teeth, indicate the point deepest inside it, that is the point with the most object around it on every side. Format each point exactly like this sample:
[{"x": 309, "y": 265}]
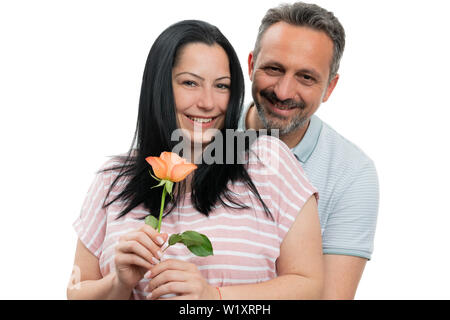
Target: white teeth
[{"x": 201, "y": 120}]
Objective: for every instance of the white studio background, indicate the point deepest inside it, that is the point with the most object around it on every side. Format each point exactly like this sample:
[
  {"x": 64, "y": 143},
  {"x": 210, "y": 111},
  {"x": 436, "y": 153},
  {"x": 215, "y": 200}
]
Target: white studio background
[{"x": 70, "y": 74}]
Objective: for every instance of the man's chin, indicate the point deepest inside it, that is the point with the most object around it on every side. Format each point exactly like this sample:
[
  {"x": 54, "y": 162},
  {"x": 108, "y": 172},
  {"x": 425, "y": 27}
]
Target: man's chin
[
  {"x": 276, "y": 124},
  {"x": 275, "y": 121},
  {"x": 284, "y": 126}
]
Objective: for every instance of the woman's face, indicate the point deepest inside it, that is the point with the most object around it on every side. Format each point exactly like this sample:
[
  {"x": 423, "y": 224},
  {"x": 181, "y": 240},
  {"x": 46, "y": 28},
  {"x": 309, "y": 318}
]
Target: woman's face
[{"x": 201, "y": 87}]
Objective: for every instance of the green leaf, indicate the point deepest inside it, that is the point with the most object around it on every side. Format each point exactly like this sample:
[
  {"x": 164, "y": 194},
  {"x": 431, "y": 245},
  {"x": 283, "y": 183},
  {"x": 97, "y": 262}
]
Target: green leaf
[
  {"x": 197, "y": 243},
  {"x": 151, "y": 221},
  {"x": 191, "y": 238},
  {"x": 186, "y": 239},
  {"x": 175, "y": 238},
  {"x": 203, "y": 249}
]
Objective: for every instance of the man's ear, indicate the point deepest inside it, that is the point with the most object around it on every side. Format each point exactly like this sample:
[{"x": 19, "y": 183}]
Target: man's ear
[
  {"x": 330, "y": 88},
  {"x": 250, "y": 65}
]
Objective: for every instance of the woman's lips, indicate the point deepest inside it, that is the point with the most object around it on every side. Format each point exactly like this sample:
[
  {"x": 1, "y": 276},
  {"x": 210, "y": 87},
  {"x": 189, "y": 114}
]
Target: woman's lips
[{"x": 202, "y": 122}]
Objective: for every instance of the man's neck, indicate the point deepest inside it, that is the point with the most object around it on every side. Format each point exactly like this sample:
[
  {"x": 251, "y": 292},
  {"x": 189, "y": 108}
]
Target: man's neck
[{"x": 291, "y": 139}]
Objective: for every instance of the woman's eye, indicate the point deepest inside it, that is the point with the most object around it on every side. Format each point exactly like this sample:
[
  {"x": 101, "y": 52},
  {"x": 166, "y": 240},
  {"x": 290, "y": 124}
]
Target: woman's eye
[
  {"x": 223, "y": 86},
  {"x": 189, "y": 83}
]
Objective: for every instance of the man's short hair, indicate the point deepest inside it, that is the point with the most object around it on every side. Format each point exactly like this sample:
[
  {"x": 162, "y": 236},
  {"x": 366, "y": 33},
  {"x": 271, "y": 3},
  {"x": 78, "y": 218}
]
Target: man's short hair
[{"x": 306, "y": 15}]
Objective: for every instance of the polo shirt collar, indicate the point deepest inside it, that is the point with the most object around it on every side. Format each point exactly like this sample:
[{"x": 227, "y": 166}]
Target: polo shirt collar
[{"x": 305, "y": 148}]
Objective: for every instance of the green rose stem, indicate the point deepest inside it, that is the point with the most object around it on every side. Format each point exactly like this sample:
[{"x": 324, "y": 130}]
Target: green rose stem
[
  {"x": 163, "y": 199},
  {"x": 197, "y": 243}
]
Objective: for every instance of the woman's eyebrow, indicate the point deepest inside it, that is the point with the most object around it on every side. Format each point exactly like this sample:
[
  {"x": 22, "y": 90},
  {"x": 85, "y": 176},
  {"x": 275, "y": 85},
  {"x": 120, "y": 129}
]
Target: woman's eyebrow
[
  {"x": 199, "y": 77},
  {"x": 190, "y": 73},
  {"x": 224, "y": 77}
]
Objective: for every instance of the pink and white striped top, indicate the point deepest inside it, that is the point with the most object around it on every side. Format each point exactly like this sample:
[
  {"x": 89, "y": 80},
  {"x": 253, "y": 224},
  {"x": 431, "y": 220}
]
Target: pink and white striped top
[{"x": 246, "y": 242}]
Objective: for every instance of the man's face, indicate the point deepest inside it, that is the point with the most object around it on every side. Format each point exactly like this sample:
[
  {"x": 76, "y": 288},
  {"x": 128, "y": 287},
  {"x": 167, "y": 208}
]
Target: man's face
[{"x": 290, "y": 76}]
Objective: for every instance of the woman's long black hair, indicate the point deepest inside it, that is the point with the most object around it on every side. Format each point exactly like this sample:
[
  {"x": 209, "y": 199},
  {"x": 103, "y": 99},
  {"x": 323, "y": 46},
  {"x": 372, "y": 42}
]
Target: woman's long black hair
[{"x": 157, "y": 120}]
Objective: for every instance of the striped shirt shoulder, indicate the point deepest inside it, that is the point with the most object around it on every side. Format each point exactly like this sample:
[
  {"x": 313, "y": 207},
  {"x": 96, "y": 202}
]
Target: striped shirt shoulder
[
  {"x": 278, "y": 175},
  {"x": 90, "y": 225}
]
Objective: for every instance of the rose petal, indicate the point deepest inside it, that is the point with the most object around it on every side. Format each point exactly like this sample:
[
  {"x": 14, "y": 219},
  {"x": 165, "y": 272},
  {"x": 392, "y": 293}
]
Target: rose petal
[
  {"x": 159, "y": 167},
  {"x": 181, "y": 171},
  {"x": 172, "y": 158}
]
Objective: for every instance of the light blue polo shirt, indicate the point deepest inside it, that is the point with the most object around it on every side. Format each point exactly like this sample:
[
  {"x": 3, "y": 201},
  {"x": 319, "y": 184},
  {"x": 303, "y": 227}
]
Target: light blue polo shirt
[{"x": 348, "y": 188}]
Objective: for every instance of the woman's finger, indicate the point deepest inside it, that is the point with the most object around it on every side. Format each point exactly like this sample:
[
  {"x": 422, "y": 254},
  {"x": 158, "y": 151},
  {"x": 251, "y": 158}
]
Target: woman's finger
[
  {"x": 159, "y": 238},
  {"x": 127, "y": 259},
  {"x": 144, "y": 239},
  {"x": 178, "y": 297},
  {"x": 135, "y": 247},
  {"x": 178, "y": 288},
  {"x": 165, "y": 277},
  {"x": 172, "y": 264}
]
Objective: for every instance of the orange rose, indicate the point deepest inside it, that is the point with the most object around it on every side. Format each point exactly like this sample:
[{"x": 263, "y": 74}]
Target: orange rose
[{"x": 170, "y": 166}]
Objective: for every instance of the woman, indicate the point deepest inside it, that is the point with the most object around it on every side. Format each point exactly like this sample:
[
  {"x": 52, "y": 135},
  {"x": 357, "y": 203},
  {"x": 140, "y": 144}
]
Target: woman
[{"x": 193, "y": 80}]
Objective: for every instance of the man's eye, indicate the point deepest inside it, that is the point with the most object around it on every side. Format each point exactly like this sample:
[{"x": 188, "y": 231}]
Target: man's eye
[
  {"x": 272, "y": 70},
  {"x": 308, "y": 79}
]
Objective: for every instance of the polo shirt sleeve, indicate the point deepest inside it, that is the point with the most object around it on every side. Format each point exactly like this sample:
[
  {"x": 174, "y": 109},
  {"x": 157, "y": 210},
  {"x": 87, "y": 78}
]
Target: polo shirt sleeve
[{"x": 352, "y": 221}]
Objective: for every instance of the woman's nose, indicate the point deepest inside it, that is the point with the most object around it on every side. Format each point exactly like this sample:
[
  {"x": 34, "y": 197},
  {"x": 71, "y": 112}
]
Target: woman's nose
[{"x": 206, "y": 99}]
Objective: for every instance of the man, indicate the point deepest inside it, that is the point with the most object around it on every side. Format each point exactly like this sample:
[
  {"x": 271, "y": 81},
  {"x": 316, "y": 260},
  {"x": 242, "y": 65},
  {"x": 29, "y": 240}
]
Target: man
[{"x": 293, "y": 69}]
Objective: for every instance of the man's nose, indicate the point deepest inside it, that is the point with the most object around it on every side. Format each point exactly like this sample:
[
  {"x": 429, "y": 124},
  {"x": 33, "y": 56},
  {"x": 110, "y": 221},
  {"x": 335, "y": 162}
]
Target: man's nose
[{"x": 285, "y": 88}]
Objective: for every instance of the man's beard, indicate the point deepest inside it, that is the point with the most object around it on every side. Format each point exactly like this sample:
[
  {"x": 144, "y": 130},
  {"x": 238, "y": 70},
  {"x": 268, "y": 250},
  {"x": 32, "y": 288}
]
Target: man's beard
[{"x": 298, "y": 121}]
